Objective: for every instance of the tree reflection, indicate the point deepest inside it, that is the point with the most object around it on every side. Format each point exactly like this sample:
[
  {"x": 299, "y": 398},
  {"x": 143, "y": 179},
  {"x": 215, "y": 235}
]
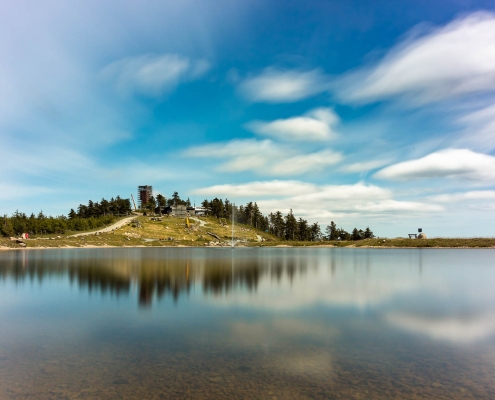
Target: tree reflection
[{"x": 155, "y": 276}]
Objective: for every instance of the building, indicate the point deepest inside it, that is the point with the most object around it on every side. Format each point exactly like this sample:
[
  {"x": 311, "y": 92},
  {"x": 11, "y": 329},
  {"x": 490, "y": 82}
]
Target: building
[
  {"x": 144, "y": 195},
  {"x": 180, "y": 210}
]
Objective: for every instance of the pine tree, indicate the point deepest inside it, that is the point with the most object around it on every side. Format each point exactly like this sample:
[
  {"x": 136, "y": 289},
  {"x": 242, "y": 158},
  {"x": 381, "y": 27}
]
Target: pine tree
[
  {"x": 368, "y": 234},
  {"x": 355, "y": 234}
]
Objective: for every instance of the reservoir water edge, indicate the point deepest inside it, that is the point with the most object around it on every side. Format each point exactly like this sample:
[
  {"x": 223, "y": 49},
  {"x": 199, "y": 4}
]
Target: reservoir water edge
[{"x": 315, "y": 323}]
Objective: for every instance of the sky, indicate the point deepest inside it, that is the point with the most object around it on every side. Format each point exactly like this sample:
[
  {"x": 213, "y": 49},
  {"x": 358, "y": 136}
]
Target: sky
[{"x": 366, "y": 113}]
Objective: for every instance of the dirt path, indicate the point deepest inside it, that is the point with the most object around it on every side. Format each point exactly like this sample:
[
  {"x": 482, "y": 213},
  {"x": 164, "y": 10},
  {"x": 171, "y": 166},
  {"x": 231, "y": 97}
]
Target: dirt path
[
  {"x": 110, "y": 228},
  {"x": 201, "y": 223}
]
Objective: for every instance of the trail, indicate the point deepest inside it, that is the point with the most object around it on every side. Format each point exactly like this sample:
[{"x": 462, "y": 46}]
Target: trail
[
  {"x": 110, "y": 228},
  {"x": 201, "y": 223}
]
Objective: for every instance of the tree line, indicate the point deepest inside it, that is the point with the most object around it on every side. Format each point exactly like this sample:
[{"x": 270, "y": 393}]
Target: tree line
[
  {"x": 92, "y": 216},
  {"x": 161, "y": 201},
  {"x": 287, "y": 227}
]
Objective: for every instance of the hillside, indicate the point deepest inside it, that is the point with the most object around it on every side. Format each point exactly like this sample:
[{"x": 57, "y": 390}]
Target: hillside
[{"x": 148, "y": 231}]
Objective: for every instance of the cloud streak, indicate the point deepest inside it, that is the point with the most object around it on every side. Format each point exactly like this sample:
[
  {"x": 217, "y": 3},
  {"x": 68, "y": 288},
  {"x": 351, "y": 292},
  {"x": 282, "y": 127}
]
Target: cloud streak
[
  {"x": 316, "y": 125},
  {"x": 259, "y": 189},
  {"x": 449, "y": 163},
  {"x": 153, "y": 75},
  {"x": 363, "y": 166},
  {"x": 314, "y": 201},
  {"x": 283, "y": 86},
  {"x": 265, "y": 157},
  {"x": 450, "y": 61}
]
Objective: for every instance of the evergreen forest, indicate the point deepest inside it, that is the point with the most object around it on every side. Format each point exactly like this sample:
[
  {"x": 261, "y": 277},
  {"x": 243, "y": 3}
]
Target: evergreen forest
[
  {"x": 94, "y": 215},
  {"x": 287, "y": 227}
]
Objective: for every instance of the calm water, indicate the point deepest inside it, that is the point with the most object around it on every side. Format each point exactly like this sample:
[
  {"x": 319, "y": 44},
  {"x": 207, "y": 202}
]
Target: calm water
[{"x": 248, "y": 323}]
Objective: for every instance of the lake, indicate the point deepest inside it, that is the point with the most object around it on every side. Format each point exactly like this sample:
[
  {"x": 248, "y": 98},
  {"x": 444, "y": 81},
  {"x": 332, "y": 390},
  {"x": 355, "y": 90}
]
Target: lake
[{"x": 247, "y": 323}]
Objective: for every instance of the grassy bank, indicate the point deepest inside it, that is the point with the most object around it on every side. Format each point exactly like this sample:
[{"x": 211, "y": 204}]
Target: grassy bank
[
  {"x": 171, "y": 231},
  {"x": 407, "y": 243},
  {"x": 144, "y": 231}
]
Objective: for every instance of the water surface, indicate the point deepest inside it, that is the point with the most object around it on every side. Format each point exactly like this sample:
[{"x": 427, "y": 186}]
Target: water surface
[{"x": 261, "y": 323}]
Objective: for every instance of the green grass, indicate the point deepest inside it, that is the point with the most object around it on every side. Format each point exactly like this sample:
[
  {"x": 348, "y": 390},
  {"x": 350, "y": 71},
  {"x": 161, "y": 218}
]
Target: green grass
[
  {"x": 404, "y": 242},
  {"x": 175, "y": 229}
]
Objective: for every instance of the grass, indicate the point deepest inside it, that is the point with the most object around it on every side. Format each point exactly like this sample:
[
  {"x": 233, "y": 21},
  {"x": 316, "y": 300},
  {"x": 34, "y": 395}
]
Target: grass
[
  {"x": 407, "y": 243},
  {"x": 172, "y": 231}
]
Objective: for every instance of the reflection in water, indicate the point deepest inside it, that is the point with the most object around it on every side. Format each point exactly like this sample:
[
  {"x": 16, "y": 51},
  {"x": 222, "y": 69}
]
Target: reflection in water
[
  {"x": 247, "y": 323},
  {"x": 115, "y": 272}
]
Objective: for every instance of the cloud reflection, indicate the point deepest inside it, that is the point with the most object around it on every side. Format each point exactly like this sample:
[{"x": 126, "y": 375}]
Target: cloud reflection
[
  {"x": 399, "y": 287},
  {"x": 457, "y": 329}
]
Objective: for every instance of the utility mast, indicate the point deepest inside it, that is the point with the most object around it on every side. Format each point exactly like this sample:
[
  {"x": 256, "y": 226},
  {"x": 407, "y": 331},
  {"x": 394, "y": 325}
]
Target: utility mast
[
  {"x": 132, "y": 197},
  {"x": 233, "y": 206}
]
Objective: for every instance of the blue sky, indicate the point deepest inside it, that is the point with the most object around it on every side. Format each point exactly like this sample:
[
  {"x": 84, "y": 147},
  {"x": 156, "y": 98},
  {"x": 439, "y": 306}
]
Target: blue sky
[{"x": 362, "y": 112}]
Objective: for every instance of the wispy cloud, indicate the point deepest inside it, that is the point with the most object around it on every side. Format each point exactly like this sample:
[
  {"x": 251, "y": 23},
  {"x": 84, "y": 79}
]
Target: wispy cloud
[
  {"x": 259, "y": 189},
  {"x": 454, "y": 60},
  {"x": 450, "y": 163},
  {"x": 316, "y": 125},
  {"x": 13, "y": 191},
  {"x": 265, "y": 157},
  {"x": 303, "y": 163},
  {"x": 479, "y": 129},
  {"x": 313, "y": 201},
  {"x": 363, "y": 166},
  {"x": 473, "y": 195},
  {"x": 283, "y": 86},
  {"x": 153, "y": 75}
]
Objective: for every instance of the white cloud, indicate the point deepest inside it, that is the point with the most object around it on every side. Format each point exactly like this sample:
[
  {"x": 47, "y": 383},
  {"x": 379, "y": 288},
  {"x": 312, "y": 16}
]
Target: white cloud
[
  {"x": 281, "y": 86},
  {"x": 347, "y": 200},
  {"x": 466, "y": 196},
  {"x": 265, "y": 157},
  {"x": 300, "y": 164},
  {"x": 237, "y": 147},
  {"x": 13, "y": 191},
  {"x": 321, "y": 202},
  {"x": 258, "y": 189},
  {"x": 448, "y": 163},
  {"x": 397, "y": 206},
  {"x": 314, "y": 126},
  {"x": 243, "y": 155},
  {"x": 480, "y": 129},
  {"x": 454, "y": 60},
  {"x": 363, "y": 166},
  {"x": 153, "y": 75}
]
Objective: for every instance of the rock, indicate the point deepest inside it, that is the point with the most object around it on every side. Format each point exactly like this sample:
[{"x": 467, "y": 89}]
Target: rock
[
  {"x": 421, "y": 236},
  {"x": 22, "y": 244}
]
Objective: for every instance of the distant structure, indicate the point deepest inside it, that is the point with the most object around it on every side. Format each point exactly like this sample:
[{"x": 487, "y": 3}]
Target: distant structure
[
  {"x": 419, "y": 235},
  {"x": 144, "y": 195},
  {"x": 180, "y": 210}
]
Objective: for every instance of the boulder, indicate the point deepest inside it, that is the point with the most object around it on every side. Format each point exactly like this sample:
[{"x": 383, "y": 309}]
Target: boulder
[{"x": 421, "y": 236}]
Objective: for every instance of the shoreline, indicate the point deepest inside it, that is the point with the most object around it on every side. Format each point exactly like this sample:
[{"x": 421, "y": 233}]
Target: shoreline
[{"x": 4, "y": 248}]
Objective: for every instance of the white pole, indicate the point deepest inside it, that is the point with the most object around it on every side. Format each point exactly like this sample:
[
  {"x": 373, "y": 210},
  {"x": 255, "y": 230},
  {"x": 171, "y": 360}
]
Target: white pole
[{"x": 233, "y": 205}]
